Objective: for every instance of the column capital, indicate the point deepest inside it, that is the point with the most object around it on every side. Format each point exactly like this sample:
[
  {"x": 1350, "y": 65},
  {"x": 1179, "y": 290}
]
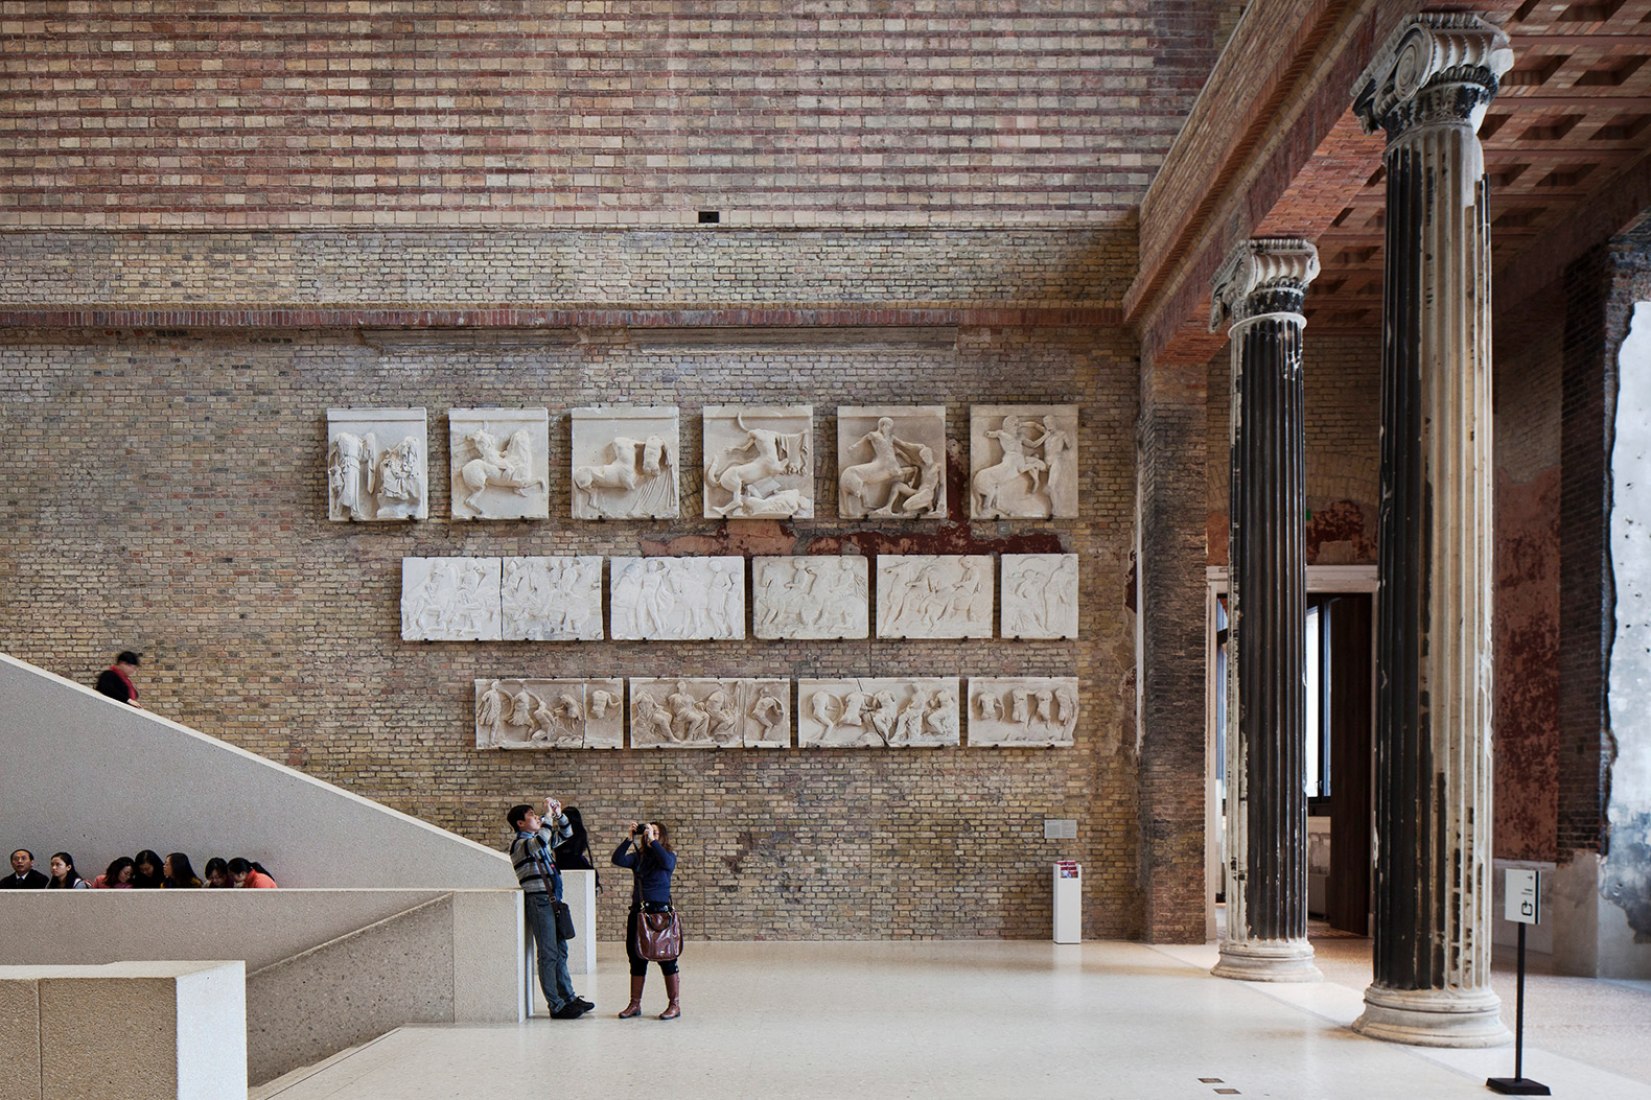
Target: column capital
[
  {"x": 1263, "y": 276},
  {"x": 1435, "y": 67}
]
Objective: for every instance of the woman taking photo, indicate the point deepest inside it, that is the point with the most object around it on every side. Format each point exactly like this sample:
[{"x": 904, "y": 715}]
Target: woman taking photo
[
  {"x": 651, "y": 862},
  {"x": 64, "y": 875}
]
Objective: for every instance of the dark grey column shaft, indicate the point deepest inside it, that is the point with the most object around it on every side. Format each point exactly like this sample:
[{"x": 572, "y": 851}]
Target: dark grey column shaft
[
  {"x": 1428, "y": 89},
  {"x": 1260, "y": 289}
]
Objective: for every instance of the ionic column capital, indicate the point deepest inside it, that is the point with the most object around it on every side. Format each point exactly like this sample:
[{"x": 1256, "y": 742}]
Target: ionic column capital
[
  {"x": 1437, "y": 67},
  {"x": 1261, "y": 277}
]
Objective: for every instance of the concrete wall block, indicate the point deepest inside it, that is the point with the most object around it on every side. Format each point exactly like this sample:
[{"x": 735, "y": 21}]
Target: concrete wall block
[
  {"x": 397, "y": 972},
  {"x": 20, "y": 1035}
]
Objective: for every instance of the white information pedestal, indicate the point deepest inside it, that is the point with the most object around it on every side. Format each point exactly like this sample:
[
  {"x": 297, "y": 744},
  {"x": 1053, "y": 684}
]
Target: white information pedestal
[
  {"x": 579, "y": 891},
  {"x": 1068, "y": 902}
]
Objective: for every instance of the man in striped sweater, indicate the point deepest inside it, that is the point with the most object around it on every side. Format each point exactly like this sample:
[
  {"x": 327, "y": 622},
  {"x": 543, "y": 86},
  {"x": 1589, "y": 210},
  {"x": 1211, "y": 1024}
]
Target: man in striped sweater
[{"x": 534, "y": 854}]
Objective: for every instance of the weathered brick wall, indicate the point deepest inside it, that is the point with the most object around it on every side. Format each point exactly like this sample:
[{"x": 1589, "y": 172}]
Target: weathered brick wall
[
  {"x": 1171, "y": 444},
  {"x": 1586, "y": 590},
  {"x": 1527, "y": 390},
  {"x": 1598, "y": 295},
  {"x": 446, "y": 112},
  {"x": 166, "y": 491}
]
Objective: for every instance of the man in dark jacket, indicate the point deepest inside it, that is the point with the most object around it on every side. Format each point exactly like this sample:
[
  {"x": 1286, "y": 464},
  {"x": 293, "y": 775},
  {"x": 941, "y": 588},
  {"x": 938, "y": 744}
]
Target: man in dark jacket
[{"x": 23, "y": 876}]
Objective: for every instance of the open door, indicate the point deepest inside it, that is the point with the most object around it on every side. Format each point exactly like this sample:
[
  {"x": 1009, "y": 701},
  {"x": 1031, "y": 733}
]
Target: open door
[
  {"x": 1342, "y": 782},
  {"x": 1340, "y": 719}
]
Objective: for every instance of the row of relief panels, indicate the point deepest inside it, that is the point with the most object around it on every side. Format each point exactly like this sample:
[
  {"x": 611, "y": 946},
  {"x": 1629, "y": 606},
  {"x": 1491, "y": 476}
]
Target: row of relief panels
[
  {"x": 698, "y": 713},
  {"x": 552, "y": 599},
  {"x": 758, "y": 462}
]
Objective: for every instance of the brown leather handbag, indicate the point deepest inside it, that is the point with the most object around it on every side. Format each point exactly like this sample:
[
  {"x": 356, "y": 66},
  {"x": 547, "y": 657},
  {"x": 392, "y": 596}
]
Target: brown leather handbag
[{"x": 658, "y": 933}]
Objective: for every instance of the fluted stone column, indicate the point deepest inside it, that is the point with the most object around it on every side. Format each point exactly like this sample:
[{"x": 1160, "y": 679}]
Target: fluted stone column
[
  {"x": 1259, "y": 290},
  {"x": 1428, "y": 89}
]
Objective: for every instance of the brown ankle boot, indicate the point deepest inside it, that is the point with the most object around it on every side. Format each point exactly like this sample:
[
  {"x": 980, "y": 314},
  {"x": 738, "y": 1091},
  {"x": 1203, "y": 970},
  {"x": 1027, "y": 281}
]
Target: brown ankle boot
[
  {"x": 673, "y": 990},
  {"x": 634, "y": 1009}
]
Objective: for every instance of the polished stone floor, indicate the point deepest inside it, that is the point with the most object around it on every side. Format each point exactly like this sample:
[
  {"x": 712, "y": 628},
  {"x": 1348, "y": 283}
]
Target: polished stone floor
[{"x": 989, "y": 1019}]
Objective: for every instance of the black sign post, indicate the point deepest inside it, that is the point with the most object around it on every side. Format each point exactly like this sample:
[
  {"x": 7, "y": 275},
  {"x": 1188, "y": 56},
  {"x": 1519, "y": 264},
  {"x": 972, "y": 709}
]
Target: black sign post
[{"x": 1522, "y": 905}]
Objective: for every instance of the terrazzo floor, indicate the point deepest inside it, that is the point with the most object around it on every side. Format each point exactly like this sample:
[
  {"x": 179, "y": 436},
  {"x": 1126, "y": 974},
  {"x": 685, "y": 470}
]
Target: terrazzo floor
[{"x": 989, "y": 1019}]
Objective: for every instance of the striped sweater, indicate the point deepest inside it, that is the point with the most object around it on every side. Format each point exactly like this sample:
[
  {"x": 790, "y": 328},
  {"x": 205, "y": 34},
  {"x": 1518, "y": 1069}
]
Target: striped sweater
[{"x": 534, "y": 856}]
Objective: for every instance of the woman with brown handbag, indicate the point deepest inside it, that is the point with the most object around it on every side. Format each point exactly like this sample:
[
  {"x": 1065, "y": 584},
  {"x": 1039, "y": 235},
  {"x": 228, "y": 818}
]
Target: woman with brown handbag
[{"x": 652, "y": 931}]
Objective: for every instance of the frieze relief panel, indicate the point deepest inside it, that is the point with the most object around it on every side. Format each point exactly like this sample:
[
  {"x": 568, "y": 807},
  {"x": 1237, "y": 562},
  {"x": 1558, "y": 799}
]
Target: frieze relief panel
[
  {"x": 934, "y": 596},
  {"x": 376, "y": 469},
  {"x": 552, "y": 599},
  {"x": 550, "y": 714},
  {"x": 810, "y": 597},
  {"x": 759, "y": 461},
  {"x": 1023, "y": 461},
  {"x": 1022, "y": 711},
  {"x": 891, "y": 462},
  {"x": 688, "y": 713},
  {"x": 500, "y": 463},
  {"x": 626, "y": 462},
  {"x": 1040, "y": 596},
  {"x": 450, "y": 599},
  {"x": 677, "y": 599},
  {"x": 878, "y": 713}
]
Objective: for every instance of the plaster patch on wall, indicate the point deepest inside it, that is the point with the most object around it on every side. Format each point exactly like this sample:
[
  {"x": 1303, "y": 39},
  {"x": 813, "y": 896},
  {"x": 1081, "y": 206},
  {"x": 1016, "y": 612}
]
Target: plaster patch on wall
[{"x": 1626, "y": 881}]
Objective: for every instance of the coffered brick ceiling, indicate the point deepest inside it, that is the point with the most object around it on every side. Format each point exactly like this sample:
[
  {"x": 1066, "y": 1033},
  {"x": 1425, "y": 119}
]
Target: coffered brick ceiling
[{"x": 1570, "y": 127}]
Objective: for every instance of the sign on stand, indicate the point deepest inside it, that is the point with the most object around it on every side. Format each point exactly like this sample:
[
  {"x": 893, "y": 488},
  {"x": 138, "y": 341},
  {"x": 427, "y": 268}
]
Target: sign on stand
[{"x": 1522, "y": 904}]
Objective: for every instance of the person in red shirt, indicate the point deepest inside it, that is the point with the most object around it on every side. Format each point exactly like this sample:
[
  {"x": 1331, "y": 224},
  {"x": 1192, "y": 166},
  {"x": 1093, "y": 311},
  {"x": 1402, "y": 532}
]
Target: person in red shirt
[{"x": 250, "y": 876}]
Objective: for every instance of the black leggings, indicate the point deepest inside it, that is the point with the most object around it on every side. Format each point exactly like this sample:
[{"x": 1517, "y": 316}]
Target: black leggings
[{"x": 639, "y": 965}]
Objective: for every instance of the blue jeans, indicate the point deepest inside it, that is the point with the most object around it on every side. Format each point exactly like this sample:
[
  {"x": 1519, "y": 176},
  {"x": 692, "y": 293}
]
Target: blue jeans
[{"x": 551, "y": 949}]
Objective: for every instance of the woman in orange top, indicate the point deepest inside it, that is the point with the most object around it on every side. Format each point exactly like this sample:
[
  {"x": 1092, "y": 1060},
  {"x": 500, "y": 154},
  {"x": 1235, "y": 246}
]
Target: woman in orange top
[{"x": 250, "y": 876}]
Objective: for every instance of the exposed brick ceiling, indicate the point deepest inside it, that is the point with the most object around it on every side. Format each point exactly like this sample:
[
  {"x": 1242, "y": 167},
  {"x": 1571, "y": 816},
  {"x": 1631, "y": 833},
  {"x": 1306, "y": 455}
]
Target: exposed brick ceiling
[{"x": 1571, "y": 123}]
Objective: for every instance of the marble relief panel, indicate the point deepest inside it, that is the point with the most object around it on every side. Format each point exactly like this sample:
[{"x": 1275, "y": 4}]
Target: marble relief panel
[
  {"x": 500, "y": 462},
  {"x": 690, "y": 713},
  {"x": 1022, "y": 711},
  {"x": 626, "y": 462},
  {"x": 759, "y": 461},
  {"x": 934, "y": 596},
  {"x": 1040, "y": 596},
  {"x": 891, "y": 462},
  {"x": 450, "y": 599},
  {"x": 556, "y": 599},
  {"x": 809, "y": 597},
  {"x": 878, "y": 713},
  {"x": 1023, "y": 461},
  {"x": 677, "y": 599},
  {"x": 376, "y": 467},
  {"x": 550, "y": 714}
]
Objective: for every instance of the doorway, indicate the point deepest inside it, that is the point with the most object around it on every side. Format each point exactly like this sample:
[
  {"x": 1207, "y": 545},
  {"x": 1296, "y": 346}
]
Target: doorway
[{"x": 1340, "y": 634}]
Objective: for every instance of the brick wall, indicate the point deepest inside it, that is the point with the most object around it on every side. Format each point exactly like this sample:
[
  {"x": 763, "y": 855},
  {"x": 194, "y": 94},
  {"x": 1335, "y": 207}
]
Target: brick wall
[
  {"x": 165, "y": 491},
  {"x": 1586, "y": 589},
  {"x": 445, "y": 112},
  {"x": 636, "y": 269},
  {"x": 1527, "y": 390},
  {"x": 1172, "y": 446}
]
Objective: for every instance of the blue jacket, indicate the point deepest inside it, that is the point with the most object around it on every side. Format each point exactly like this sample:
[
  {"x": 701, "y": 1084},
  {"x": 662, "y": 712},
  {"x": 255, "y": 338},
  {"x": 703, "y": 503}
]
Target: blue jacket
[{"x": 653, "y": 866}]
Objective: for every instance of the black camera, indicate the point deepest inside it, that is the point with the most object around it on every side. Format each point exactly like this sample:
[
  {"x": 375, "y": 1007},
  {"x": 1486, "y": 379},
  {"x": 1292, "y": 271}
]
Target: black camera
[{"x": 641, "y": 829}]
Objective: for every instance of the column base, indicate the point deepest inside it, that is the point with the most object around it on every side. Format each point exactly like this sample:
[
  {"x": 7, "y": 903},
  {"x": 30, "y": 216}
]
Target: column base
[
  {"x": 1433, "y": 1017},
  {"x": 1267, "y": 961}
]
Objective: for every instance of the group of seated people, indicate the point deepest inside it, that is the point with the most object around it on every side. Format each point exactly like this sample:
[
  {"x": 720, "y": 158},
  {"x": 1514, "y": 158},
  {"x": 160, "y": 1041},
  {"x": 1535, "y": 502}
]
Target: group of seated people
[{"x": 145, "y": 871}]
